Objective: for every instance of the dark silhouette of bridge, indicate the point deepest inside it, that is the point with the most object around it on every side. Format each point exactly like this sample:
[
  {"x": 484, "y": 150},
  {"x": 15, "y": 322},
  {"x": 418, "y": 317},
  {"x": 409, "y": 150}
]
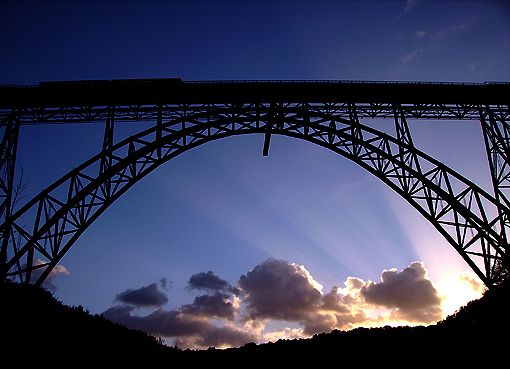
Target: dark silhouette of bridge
[{"x": 188, "y": 114}]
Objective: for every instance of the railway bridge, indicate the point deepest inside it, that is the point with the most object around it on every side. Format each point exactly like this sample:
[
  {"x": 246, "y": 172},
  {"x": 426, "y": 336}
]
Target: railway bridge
[{"x": 186, "y": 114}]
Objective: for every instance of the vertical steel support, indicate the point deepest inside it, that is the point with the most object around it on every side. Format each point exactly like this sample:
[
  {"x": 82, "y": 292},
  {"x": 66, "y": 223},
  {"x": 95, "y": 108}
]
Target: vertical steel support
[
  {"x": 306, "y": 118},
  {"x": 106, "y": 161},
  {"x": 8, "y": 150},
  {"x": 406, "y": 154},
  {"x": 355, "y": 128},
  {"x": 159, "y": 125},
  {"x": 497, "y": 143},
  {"x": 271, "y": 119},
  {"x": 401, "y": 127},
  {"x": 267, "y": 141},
  {"x": 496, "y": 133}
]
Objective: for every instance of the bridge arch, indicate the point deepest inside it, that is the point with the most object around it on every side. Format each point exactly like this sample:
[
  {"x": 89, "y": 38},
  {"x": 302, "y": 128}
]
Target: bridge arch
[{"x": 470, "y": 219}]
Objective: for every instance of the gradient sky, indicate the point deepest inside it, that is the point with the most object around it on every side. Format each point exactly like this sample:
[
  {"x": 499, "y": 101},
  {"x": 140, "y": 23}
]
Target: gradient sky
[{"x": 305, "y": 225}]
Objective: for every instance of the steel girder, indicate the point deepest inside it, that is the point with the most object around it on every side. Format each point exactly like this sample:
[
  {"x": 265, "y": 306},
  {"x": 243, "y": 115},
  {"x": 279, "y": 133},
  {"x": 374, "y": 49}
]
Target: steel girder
[
  {"x": 130, "y": 113},
  {"x": 467, "y": 216}
]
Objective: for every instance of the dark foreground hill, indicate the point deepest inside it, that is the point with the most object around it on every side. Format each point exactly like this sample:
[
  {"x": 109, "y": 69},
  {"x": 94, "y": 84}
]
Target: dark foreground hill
[{"x": 37, "y": 328}]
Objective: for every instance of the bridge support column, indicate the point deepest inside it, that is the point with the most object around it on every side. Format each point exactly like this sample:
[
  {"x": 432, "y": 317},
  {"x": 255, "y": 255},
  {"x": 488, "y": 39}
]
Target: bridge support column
[
  {"x": 106, "y": 162},
  {"x": 496, "y": 132},
  {"x": 8, "y": 149},
  {"x": 159, "y": 124},
  {"x": 274, "y": 118},
  {"x": 407, "y": 153},
  {"x": 267, "y": 141}
]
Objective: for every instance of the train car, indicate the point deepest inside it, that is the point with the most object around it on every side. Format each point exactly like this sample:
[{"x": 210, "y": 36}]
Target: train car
[
  {"x": 106, "y": 92},
  {"x": 118, "y": 92}
]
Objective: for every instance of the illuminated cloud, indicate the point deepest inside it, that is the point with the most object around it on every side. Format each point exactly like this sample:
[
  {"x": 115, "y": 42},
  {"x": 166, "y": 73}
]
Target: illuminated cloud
[
  {"x": 410, "y": 294},
  {"x": 458, "y": 290},
  {"x": 48, "y": 282},
  {"x": 276, "y": 290},
  {"x": 474, "y": 283},
  {"x": 284, "y": 334},
  {"x": 281, "y": 291}
]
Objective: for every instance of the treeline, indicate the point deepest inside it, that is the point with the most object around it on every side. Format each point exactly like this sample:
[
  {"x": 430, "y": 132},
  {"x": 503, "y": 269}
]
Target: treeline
[{"x": 36, "y": 326}]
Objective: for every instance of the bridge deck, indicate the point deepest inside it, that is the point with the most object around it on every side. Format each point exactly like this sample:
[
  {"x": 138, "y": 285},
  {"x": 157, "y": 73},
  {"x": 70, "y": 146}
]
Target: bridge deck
[{"x": 175, "y": 91}]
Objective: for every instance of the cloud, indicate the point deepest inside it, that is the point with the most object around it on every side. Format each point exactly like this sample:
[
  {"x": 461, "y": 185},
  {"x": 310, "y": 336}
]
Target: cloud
[
  {"x": 430, "y": 41},
  {"x": 281, "y": 291},
  {"x": 438, "y": 34},
  {"x": 420, "y": 33},
  {"x": 192, "y": 325},
  {"x": 148, "y": 296},
  {"x": 276, "y": 290},
  {"x": 210, "y": 282},
  {"x": 160, "y": 322},
  {"x": 211, "y": 306},
  {"x": 411, "y": 55},
  {"x": 286, "y": 333},
  {"x": 214, "y": 336},
  {"x": 474, "y": 283},
  {"x": 189, "y": 330},
  {"x": 410, "y": 294},
  {"x": 410, "y": 4},
  {"x": 166, "y": 284},
  {"x": 48, "y": 282}
]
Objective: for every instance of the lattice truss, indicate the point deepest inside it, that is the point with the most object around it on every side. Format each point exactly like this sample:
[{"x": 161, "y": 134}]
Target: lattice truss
[{"x": 473, "y": 221}]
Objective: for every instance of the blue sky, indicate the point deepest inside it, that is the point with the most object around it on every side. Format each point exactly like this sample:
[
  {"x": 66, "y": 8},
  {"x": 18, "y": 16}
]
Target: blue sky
[{"x": 224, "y": 208}]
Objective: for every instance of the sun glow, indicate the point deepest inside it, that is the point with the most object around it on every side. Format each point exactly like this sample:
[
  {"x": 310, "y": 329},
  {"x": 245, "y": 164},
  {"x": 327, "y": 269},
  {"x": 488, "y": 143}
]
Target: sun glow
[{"x": 458, "y": 291}]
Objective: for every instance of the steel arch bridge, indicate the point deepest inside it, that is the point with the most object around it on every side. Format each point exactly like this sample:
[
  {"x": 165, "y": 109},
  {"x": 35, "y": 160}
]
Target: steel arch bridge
[{"x": 188, "y": 114}]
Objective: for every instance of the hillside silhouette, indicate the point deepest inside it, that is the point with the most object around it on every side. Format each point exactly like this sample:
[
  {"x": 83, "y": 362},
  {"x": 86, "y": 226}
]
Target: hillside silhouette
[{"x": 36, "y": 327}]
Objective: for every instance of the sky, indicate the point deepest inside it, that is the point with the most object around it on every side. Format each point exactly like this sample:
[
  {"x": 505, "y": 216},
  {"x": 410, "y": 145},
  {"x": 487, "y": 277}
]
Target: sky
[{"x": 222, "y": 246}]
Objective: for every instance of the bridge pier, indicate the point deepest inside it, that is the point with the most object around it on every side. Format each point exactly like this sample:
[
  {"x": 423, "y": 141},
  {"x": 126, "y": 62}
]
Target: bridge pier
[
  {"x": 106, "y": 162},
  {"x": 8, "y": 149},
  {"x": 496, "y": 133}
]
